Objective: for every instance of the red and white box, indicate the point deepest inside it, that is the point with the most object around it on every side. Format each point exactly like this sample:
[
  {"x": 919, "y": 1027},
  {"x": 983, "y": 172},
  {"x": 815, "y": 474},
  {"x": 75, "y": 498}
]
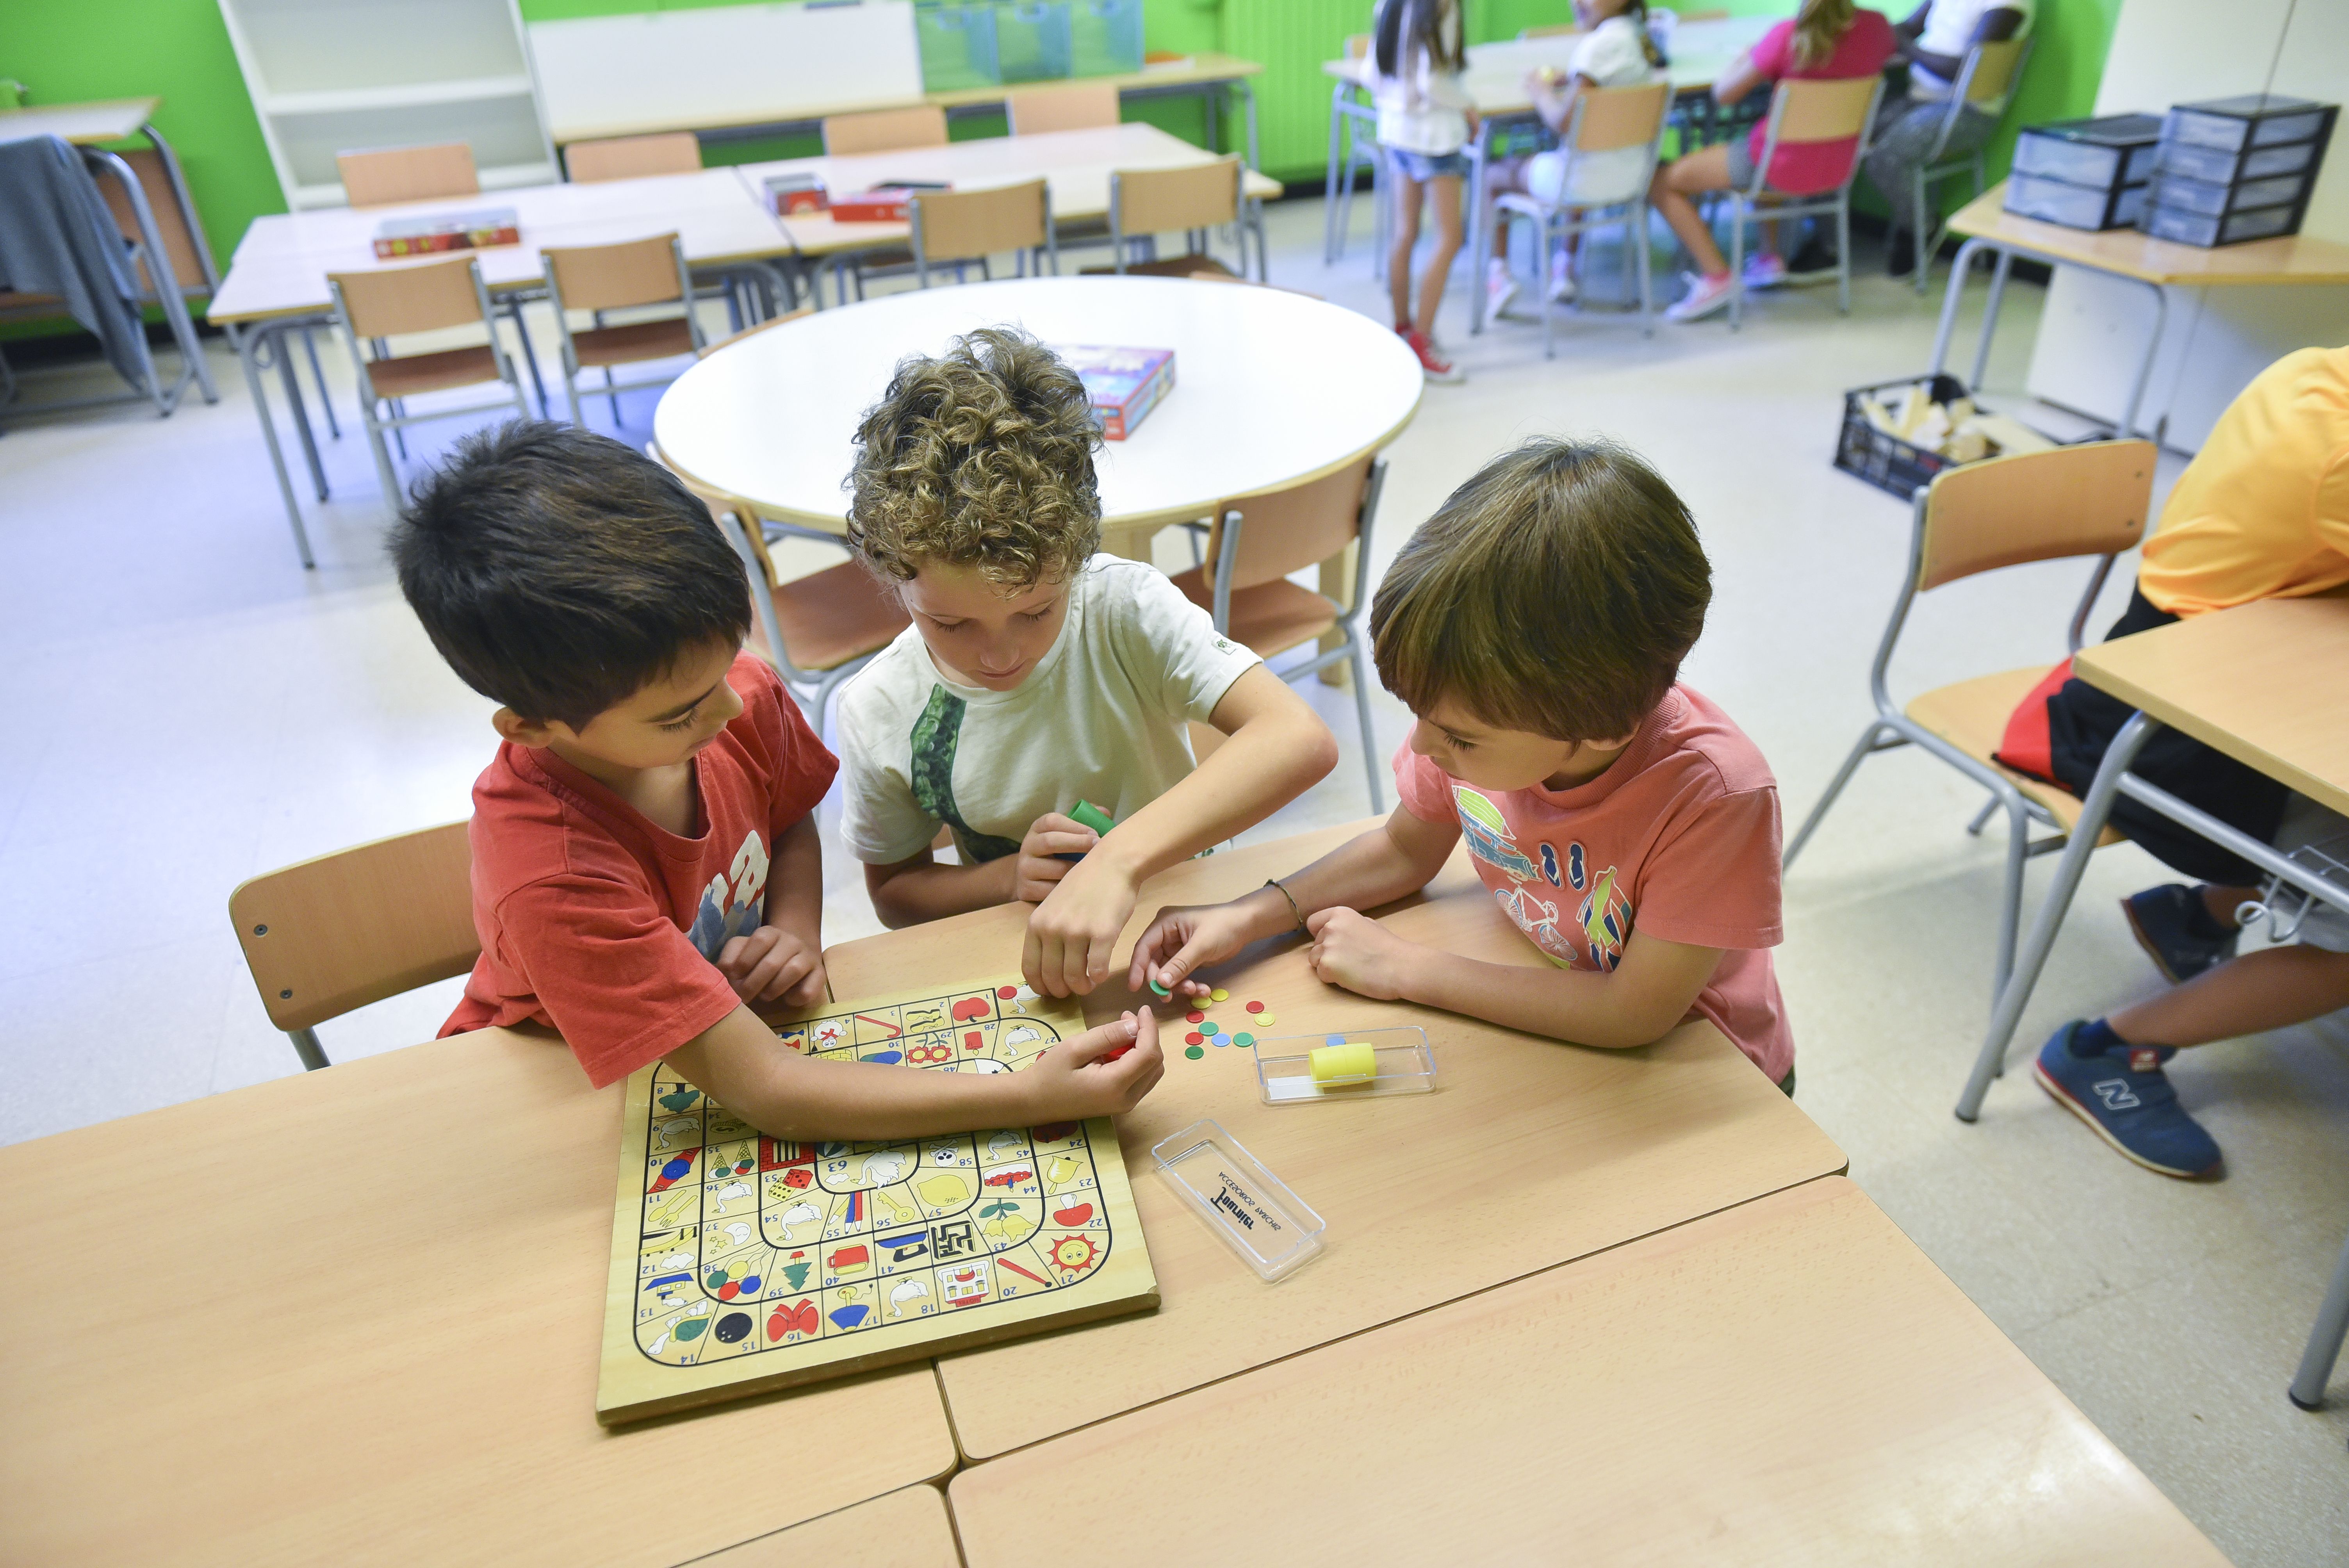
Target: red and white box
[
  {"x": 797, "y": 195},
  {"x": 1124, "y": 383},
  {"x": 883, "y": 204},
  {"x": 400, "y": 237}
]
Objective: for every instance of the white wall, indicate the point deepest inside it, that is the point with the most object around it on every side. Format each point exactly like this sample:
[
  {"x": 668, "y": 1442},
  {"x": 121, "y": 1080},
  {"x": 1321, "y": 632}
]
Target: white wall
[{"x": 2093, "y": 333}]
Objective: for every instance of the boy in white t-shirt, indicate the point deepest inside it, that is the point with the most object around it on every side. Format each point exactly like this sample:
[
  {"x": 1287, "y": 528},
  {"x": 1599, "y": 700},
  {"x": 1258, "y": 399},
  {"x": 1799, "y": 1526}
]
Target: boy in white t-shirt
[
  {"x": 1614, "y": 51},
  {"x": 1036, "y": 674}
]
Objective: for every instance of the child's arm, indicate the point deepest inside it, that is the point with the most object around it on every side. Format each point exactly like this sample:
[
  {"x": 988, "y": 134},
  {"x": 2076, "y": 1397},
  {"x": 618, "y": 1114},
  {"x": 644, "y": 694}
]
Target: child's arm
[
  {"x": 740, "y": 1064},
  {"x": 1278, "y": 748},
  {"x": 1397, "y": 857},
  {"x": 1637, "y": 1004},
  {"x": 782, "y": 961},
  {"x": 913, "y": 890}
]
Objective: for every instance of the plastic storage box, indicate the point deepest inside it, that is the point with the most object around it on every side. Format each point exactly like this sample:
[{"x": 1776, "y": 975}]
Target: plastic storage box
[
  {"x": 2074, "y": 206},
  {"x": 2221, "y": 168},
  {"x": 2217, "y": 201},
  {"x": 2196, "y": 229},
  {"x": 958, "y": 46},
  {"x": 2253, "y": 119},
  {"x": 1104, "y": 37},
  {"x": 2116, "y": 149},
  {"x": 1031, "y": 40},
  {"x": 1404, "y": 1063},
  {"x": 1272, "y": 1229}
]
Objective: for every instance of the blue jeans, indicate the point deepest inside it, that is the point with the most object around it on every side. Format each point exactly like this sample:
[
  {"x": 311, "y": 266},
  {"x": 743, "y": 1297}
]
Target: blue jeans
[{"x": 1419, "y": 168}]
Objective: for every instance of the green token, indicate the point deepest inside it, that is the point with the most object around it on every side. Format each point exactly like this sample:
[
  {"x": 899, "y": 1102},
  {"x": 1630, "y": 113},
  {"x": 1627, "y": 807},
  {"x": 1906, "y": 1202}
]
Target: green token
[
  {"x": 1194, "y": 1052},
  {"x": 1209, "y": 1028},
  {"x": 1160, "y": 990},
  {"x": 1243, "y": 1038}
]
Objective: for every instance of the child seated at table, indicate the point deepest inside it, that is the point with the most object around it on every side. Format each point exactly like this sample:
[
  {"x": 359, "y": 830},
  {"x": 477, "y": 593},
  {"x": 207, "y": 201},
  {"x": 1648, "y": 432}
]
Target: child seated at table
[
  {"x": 1037, "y": 674},
  {"x": 1536, "y": 626},
  {"x": 645, "y": 860}
]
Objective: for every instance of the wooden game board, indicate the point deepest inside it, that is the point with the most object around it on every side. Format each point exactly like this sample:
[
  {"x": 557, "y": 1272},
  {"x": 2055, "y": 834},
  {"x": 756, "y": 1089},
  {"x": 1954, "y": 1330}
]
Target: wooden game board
[{"x": 742, "y": 1263}]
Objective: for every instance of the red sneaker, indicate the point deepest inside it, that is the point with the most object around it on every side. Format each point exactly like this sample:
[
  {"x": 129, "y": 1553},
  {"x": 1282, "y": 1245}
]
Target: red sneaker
[{"x": 1437, "y": 367}]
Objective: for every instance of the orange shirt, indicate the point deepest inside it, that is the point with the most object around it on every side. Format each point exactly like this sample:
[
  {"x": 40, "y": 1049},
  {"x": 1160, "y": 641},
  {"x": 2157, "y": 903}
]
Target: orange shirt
[{"x": 2264, "y": 511}]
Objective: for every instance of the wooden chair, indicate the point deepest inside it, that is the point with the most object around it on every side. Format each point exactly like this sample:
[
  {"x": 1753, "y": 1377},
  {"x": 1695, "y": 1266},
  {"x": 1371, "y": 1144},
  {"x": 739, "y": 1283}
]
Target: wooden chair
[
  {"x": 1085, "y": 106},
  {"x": 632, "y": 157},
  {"x": 2089, "y": 499},
  {"x": 885, "y": 131},
  {"x": 328, "y": 935},
  {"x": 625, "y": 276},
  {"x": 1146, "y": 202},
  {"x": 1985, "y": 82},
  {"x": 381, "y": 176},
  {"x": 1605, "y": 119},
  {"x": 961, "y": 226},
  {"x": 1806, "y": 110},
  {"x": 389, "y": 302},
  {"x": 1254, "y": 543},
  {"x": 816, "y": 630}
]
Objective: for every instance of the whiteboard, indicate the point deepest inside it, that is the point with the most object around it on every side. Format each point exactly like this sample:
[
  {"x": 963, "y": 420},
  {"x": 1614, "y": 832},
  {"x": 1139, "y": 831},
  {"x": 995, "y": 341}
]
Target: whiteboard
[{"x": 721, "y": 65}]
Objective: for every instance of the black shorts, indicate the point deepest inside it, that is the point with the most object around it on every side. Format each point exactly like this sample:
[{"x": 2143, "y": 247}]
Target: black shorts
[{"x": 2081, "y": 724}]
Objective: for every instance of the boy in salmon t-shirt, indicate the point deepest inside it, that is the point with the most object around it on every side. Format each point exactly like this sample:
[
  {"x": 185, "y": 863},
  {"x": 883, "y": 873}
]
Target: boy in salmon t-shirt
[
  {"x": 644, "y": 854},
  {"x": 1536, "y": 626}
]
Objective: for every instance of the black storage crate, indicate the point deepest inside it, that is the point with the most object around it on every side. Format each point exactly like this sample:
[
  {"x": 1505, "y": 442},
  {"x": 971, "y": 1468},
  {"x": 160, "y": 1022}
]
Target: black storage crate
[
  {"x": 1890, "y": 464},
  {"x": 2113, "y": 150},
  {"x": 2252, "y": 119}
]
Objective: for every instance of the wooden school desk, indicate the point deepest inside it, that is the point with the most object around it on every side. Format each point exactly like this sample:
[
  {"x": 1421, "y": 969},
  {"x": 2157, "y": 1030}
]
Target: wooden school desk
[
  {"x": 2125, "y": 254},
  {"x": 2267, "y": 685},
  {"x": 276, "y": 282},
  {"x": 907, "y": 1529},
  {"x": 1529, "y": 1154},
  {"x": 1789, "y": 1381},
  {"x": 354, "y": 1317},
  {"x": 1272, "y": 388}
]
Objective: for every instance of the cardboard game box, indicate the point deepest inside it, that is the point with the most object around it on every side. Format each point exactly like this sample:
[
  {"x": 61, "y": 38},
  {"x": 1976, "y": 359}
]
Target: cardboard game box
[
  {"x": 398, "y": 237},
  {"x": 1124, "y": 383},
  {"x": 792, "y": 195}
]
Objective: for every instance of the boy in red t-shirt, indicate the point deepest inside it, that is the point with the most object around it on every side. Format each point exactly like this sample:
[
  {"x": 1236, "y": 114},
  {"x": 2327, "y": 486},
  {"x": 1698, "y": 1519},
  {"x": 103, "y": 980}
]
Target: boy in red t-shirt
[
  {"x": 644, "y": 854},
  {"x": 1536, "y": 626}
]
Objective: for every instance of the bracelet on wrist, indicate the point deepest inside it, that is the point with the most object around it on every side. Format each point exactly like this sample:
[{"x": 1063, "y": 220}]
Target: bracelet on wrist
[{"x": 1275, "y": 885}]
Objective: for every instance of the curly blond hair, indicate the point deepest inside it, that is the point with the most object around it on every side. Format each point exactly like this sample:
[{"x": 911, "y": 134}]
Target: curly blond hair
[{"x": 980, "y": 457}]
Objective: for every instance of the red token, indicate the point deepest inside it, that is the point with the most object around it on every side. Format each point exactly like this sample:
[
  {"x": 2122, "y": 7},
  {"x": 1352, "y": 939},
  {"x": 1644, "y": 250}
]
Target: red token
[
  {"x": 1255, "y": 1007},
  {"x": 1007, "y": 992},
  {"x": 1193, "y": 1038},
  {"x": 1195, "y": 1016}
]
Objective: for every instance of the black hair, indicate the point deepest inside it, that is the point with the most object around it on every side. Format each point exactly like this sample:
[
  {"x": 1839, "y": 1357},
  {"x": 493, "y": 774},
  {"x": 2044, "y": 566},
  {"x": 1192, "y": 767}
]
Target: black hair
[
  {"x": 1403, "y": 23},
  {"x": 560, "y": 571}
]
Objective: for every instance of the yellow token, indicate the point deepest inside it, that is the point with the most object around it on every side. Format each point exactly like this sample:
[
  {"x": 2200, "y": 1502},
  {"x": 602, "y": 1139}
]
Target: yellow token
[
  {"x": 1219, "y": 996},
  {"x": 1265, "y": 1019}
]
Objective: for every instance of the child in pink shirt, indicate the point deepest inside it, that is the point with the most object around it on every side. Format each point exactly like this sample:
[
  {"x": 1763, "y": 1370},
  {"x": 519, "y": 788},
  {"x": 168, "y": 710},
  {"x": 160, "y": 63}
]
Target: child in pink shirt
[{"x": 1536, "y": 626}]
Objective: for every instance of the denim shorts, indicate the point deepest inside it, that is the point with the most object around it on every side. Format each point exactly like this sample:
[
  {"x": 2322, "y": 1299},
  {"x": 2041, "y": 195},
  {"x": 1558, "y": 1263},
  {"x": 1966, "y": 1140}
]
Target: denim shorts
[
  {"x": 1419, "y": 168},
  {"x": 1741, "y": 161}
]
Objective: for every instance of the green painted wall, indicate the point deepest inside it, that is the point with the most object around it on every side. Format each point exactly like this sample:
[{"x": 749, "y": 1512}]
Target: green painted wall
[{"x": 69, "y": 50}]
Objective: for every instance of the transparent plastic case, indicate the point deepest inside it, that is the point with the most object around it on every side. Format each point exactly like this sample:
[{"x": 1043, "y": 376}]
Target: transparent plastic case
[
  {"x": 1284, "y": 1066},
  {"x": 2220, "y": 168},
  {"x": 2074, "y": 206},
  {"x": 2196, "y": 229},
  {"x": 1273, "y": 1230},
  {"x": 2215, "y": 201}
]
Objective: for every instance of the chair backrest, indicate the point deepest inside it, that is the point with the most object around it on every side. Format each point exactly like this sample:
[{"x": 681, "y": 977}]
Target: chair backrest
[
  {"x": 386, "y": 302},
  {"x": 2088, "y": 499},
  {"x": 1161, "y": 201},
  {"x": 632, "y": 157},
  {"x": 1549, "y": 30},
  {"x": 189, "y": 263},
  {"x": 885, "y": 131},
  {"x": 1608, "y": 118},
  {"x": 732, "y": 514},
  {"x": 706, "y": 349},
  {"x": 375, "y": 178},
  {"x": 1817, "y": 108},
  {"x": 1082, "y": 106},
  {"x": 1991, "y": 69},
  {"x": 1358, "y": 45},
  {"x": 958, "y": 225},
  {"x": 1284, "y": 531},
  {"x": 613, "y": 277},
  {"x": 350, "y": 928}
]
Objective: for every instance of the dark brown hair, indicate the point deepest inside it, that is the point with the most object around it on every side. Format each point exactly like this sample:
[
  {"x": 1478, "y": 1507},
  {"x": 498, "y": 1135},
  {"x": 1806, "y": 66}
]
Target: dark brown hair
[
  {"x": 559, "y": 571},
  {"x": 1557, "y": 592},
  {"x": 981, "y": 457}
]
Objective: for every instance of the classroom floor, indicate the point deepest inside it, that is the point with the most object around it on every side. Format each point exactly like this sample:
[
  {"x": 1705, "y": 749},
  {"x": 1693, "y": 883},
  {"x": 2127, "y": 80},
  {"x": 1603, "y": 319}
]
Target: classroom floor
[{"x": 193, "y": 708}]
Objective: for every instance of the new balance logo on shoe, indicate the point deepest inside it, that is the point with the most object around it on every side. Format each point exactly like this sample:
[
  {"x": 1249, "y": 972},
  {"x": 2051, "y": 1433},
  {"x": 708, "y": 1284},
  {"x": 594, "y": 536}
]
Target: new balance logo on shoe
[
  {"x": 2144, "y": 1058},
  {"x": 2117, "y": 1094}
]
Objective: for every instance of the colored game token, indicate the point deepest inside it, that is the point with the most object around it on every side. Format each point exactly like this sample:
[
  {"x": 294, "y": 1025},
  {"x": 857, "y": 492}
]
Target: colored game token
[
  {"x": 1194, "y": 1052},
  {"x": 1210, "y": 1028},
  {"x": 1007, "y": 992},
  {"x": 1265, "y": 1018},
  {"x": 1255, "y": 1007},
  {"x": 1219, "y": 995},
  {"x": 1193, "y": 1038},
  {"x": 1336, "y": 1039},
  {"x": 1160, "y": 990},
  {"x": 1243, "y": 1038},
  {"x": 1196, "y": 1016}
]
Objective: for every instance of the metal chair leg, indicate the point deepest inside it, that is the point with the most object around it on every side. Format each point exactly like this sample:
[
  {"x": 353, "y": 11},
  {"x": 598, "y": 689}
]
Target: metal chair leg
[
  {"x": 2010, "y": 915},
  {"x": 1362, "y": 711},
  {"x": 2307, "y": 1389},
  {"x": 325, "y": 402},
  {"x": 305, "y": 1045},
  {"x": 1974, "y": 828},
  {"x": 529, "y": 356},
  {"x": 1860, "y": 754},
  {"x": 384, "y": 472}
]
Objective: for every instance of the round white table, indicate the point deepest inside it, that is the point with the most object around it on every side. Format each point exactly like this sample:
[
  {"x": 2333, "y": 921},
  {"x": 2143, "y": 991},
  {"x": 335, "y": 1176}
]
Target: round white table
[{"x": 1272, "y": 388}]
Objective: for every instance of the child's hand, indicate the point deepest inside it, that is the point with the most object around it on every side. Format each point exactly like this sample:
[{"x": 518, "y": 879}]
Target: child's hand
[
  {"x": 770, "y": 964},
  {"x": 1352, "y": 950},
  {"x": 1038, "y": 873},
  {"x": 1183, "y": 941},
  {"x": 1076, "y": 1078},
  {"x": 1071, "y": 933}
]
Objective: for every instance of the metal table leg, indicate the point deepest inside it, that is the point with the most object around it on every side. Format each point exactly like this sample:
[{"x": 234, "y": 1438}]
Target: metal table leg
[
  {"x": 294, "y": 405},
  {"x": 2094, "y": 812},
  {"x": 2307, "y": 1389},
  {"x": 1998, "y": 273},
  {"x": 2152, "y": 347},
  {"x": 1959, "y": 268},
  {"x": 1247, "y": 90},
  {"x": 1474, "y": 211},
  {"x": 1329, "y": 186},
  {"x": 244, "y": 339}
]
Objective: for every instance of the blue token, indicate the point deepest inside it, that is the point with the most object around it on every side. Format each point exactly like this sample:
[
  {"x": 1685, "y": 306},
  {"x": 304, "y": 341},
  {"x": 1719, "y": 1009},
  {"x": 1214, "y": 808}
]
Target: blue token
[{"x": 1337, "y": 1039}]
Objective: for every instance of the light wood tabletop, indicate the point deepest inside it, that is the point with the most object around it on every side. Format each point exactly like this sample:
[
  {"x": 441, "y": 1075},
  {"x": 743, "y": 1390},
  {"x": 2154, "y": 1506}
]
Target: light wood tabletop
[
  {"x": 2292, "y": 259},
  {"x": 1075, "y": 166},
  {"x": 907, "y": 1529},
  {"x": 1529, "y": 1154},
  {"x": 79, "y": 123},
  {"x": 2266, "y": 683},
  {"x": 1272, "y": 388},
  {"x": 1495, "y": 77},
  {"x": 1191, "y": 70},
  {"x": 354, "y": 1317},
  {"x": 1790, "y": 1381}
]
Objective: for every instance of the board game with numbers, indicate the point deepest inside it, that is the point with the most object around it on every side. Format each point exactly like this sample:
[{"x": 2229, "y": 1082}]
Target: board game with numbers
[{"x": 742, "y": 1263}]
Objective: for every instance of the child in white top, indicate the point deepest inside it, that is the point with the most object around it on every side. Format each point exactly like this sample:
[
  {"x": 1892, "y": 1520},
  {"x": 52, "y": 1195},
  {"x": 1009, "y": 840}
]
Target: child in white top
[
  {"x": 1614, "y": 51},
  {"x": 1425, "y": 120}
]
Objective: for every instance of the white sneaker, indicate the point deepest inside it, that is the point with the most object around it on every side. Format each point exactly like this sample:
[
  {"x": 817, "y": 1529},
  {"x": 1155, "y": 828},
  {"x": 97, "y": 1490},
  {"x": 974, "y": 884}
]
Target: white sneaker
[
  {"x": 1705, "y": 296},
  {"x": 1561, "y": 281},
  {"x": 1500, "y": 288},
  {"x": 1765, "y": 270}
]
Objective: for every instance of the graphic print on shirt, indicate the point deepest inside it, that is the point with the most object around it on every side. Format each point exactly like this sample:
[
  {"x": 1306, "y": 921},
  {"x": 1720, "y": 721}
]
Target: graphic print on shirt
[
  {"x": 1606, "y": 919},
  {"x": 730, "y": 904},
  {"x": 936, "y": 734},
  {"x": 1488, "y": 835},
  {"x": 1537, "y": 918}
]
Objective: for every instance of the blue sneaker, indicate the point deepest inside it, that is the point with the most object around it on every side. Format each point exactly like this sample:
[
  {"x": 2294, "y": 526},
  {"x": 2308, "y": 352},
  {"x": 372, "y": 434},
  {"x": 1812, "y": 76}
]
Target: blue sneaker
[
  {"x": 2176, "y": 932},
  {"x": 2127, "y": 1098}
]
